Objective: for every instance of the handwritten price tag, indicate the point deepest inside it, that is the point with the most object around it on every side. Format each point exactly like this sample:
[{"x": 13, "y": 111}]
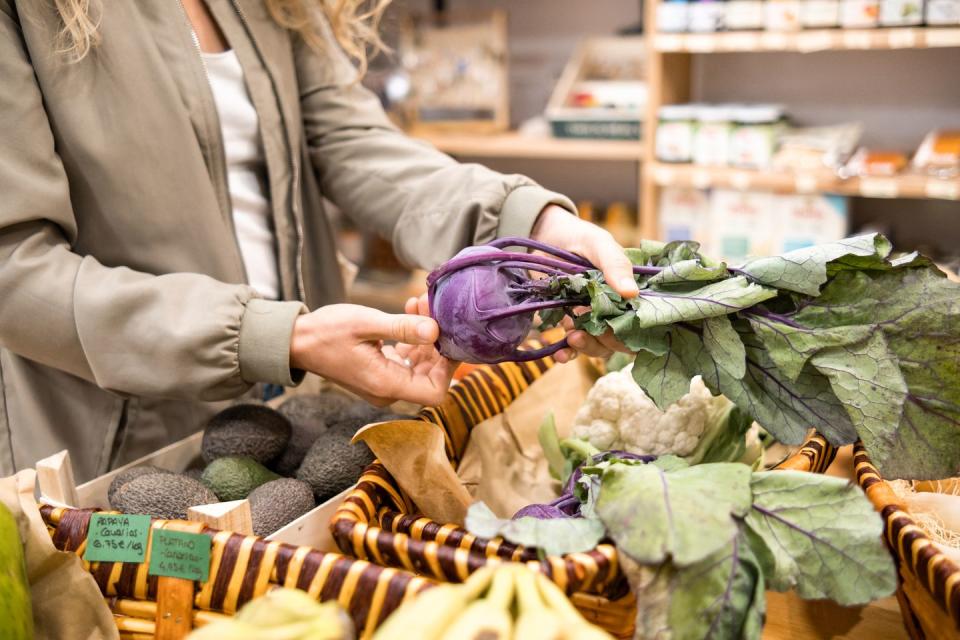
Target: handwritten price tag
[
  {"x": 180, "y": 555},
  {"x": 117, "y": 538}
]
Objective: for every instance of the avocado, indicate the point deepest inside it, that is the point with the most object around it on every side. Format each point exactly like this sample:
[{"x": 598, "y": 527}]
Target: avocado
[
  {"x": 161, "y": 495},
  {"x": 127, "y": 475},
  {"x": 279, "y": 502},
  {"x": 333, "y": 463},
  {"x": 233, "y": 478},
  {"x": 308, "y": 415},
  {"x": 246, "y": 430}
]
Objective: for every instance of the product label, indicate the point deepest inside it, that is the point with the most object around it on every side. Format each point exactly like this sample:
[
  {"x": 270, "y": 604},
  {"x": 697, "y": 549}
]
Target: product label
[
  {"x": 878, "y": 188},
  {"x": 180, "y": 555},
  {"x": 117, "y": 538}
]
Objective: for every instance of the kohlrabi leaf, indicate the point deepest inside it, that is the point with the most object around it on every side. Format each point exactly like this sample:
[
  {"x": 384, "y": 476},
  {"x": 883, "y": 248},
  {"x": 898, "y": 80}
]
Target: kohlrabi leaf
[
  {"x": 724, "y": 346},
  {"x": 821, "y": 536},
  {"x": 724, "y": 438},
  {"x": 654, "y": 308},
  {"x": 550, "y": 443},
  {"x": 805, "y": 270},
  {"x": 790, "y": 347},
  {"x": 662, "y": 378},
  {"x": 556, "y": 536},
  {"x": 719, "y": 598},
  {"x": 670, "y": 463},
  {"x": 918, "y": 313},
  {"x": 688, "y": 271},
  {"x": 866, "y": 378},
  {"x": 785, "y": 408},
  {"x": 627, "y": 330},
  {"x": 686, "y": 514}
]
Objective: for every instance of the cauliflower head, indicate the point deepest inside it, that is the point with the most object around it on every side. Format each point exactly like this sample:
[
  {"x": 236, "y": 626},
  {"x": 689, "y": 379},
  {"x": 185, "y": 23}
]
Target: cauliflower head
[{"x": 617, "y": 414}]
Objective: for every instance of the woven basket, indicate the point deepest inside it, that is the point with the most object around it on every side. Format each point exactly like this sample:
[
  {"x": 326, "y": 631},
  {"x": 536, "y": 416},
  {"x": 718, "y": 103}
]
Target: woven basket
[
  {"x": 241, "y": 568},
  {"x": 379, "y": 523},
  {"x": 929, "y": 588}
]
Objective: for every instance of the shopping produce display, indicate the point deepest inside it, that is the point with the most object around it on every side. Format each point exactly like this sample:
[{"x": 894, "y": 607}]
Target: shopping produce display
[
  {"x": 282, "y": 614},
  {"x": 496, "y": 603},
  {"x": 283, "y": 461},
  {"x": 16, "y": 615},
  {"x": 845, "y": 337},
  {"x": 712, "y": 536}
]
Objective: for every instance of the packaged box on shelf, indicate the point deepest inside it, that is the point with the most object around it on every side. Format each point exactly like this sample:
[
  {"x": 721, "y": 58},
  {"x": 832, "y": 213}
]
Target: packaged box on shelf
[
  {"x": 602, "y": 92},
  {"x": 741, "y": 224},
  {"x": 806, "y": 220},
  {"x": 684, "y": 214}
]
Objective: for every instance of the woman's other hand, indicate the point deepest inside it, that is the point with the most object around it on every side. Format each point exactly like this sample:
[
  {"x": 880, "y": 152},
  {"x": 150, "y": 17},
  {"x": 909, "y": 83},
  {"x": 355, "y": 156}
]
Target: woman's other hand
[
  {"x": 345, "y": 344},
  {"x": 558, "y": 227}
]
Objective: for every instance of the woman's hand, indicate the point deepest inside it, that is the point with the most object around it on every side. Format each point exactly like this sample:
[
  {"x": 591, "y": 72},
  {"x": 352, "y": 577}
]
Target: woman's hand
[
  {"x": 345, "y": 343},
  {"x": 557, "y": 227}
]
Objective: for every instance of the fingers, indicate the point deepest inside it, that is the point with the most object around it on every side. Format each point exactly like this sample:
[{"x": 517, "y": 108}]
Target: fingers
[
  {"x": 605, "y": 252},
  {"x": 411, "y": 329},
  {"x": 585, "y": 343}
]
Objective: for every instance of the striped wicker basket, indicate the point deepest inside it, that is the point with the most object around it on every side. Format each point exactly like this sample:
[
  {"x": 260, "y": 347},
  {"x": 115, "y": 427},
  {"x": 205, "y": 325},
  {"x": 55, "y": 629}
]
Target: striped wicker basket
[
  {"x": 379, "y": 523},
  {"x": 242, "y": 568},
  {"x": 929, "y": 589}
]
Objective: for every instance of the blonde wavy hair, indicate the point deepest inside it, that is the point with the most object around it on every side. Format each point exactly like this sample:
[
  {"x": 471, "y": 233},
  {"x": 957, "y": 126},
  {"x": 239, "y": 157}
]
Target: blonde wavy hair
[{"x": 355, "y": 24}]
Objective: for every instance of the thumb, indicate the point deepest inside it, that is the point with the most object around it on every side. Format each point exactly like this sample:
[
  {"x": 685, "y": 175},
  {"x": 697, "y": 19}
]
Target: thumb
[
  {"x": 608, "y": 255},
  {"x": 409, "y": 329}
]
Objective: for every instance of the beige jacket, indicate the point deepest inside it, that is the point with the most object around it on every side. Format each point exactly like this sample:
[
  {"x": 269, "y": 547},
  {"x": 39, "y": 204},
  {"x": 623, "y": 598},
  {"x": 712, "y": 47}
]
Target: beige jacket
[{"x": 124, "y": 313}]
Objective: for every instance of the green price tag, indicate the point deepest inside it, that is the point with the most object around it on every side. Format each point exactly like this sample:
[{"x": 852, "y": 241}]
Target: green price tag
[
  {"x": 117, "y": 538},
  {"x": 180, "y": 555}
]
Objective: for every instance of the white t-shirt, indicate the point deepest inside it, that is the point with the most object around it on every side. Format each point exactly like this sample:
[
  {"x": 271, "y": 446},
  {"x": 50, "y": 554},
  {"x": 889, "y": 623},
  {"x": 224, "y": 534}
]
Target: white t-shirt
[{"x": 246, "y": 172}]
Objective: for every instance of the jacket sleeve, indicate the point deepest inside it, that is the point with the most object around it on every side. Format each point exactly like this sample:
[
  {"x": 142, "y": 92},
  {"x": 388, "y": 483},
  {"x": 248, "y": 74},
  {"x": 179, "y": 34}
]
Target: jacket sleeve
[
  {"x": 177, "y": 335},
  {"x": 426, "y": 203}
]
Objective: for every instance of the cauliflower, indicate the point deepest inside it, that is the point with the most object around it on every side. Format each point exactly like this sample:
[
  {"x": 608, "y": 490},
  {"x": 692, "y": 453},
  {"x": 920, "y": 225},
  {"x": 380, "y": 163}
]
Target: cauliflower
[{"x": 617, "y": 414}]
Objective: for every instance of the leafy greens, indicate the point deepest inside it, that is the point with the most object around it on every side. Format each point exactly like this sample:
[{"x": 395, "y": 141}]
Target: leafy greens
[{"x": 841, "y": 337}]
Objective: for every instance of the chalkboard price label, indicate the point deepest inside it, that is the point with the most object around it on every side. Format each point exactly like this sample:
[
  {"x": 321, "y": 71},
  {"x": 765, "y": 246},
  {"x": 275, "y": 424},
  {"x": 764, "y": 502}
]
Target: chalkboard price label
[
  {"x": 117, "y": 538},
  {"x": 180, "y": 555}
]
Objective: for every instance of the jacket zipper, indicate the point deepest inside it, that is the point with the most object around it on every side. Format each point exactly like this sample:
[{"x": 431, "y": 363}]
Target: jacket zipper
[
  {"x": 218, "y": 146},
  {"x": 294, "y": 164}
]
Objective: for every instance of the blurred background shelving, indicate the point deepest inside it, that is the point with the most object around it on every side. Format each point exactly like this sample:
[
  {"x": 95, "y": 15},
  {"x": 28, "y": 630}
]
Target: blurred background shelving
[{"x": 898, "y": 82}]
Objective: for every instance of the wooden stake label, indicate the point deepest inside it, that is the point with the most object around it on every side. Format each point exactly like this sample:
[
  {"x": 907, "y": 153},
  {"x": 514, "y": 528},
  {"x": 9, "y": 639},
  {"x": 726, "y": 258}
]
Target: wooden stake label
[
  {"x": 180, "y": 555},
  {"x": 117, "y": 538}
]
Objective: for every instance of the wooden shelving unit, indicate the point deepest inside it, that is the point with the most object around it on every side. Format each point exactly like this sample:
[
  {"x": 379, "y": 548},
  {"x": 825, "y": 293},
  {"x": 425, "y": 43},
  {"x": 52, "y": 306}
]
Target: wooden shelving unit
[
  {"x": 903, "y": 186},
  {"x": 669, "y": 58},
  {"x": 515, "y": 145},
  {"x": 808, "y": 40}
]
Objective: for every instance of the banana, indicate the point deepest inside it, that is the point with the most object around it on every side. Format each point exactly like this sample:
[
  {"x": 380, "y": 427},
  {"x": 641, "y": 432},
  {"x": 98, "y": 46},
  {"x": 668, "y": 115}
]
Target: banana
[
  {"x": 536, "y": 622},
  {"x": 489, "y": 618},
  {"x": 426, "y": 616},
  {"x": 574, "y": 624}
]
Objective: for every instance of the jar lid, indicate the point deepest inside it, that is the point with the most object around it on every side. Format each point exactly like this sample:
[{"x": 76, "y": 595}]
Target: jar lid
[
  {"x": 715, "y": 112},
  {"x": 759, "y": 113},
  {"x": 677, "y": 112}
]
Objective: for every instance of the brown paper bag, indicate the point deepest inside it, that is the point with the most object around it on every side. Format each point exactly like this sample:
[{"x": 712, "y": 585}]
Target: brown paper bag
[
  {"x": 67, "y": 604},
  {"x": 503, "y": 464}
]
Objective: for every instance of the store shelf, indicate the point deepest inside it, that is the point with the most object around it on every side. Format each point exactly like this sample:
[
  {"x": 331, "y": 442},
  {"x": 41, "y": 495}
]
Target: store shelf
[
  {"x": 515, "y": 145},
  {"x": 808, "y": 40},
  {"x": 906, "y": 186}
]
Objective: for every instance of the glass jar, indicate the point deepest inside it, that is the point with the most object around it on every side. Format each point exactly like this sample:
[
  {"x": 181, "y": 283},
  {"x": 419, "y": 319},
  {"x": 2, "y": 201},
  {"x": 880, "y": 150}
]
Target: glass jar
[
  {"x": 782, "y": 15},
  {"x": 753, "y": 139},
  {"x": 901, "y": 13},
  {"x": 943, "y": 12},
  {"x": 860, "y": 14},
  {"x": 743, "y": 15},
  {"x": 711, "y": 139},
  {"x": 673, "y": 16},
  {"x": 820, "y": 14},
  {"x": 706, "y": 16},
  {"x": 675, "y": 127}
]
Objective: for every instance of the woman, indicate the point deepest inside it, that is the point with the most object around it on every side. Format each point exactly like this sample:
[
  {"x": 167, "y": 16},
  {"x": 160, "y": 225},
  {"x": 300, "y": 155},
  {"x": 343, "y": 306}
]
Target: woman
[{"x": 162, "y": 236}]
